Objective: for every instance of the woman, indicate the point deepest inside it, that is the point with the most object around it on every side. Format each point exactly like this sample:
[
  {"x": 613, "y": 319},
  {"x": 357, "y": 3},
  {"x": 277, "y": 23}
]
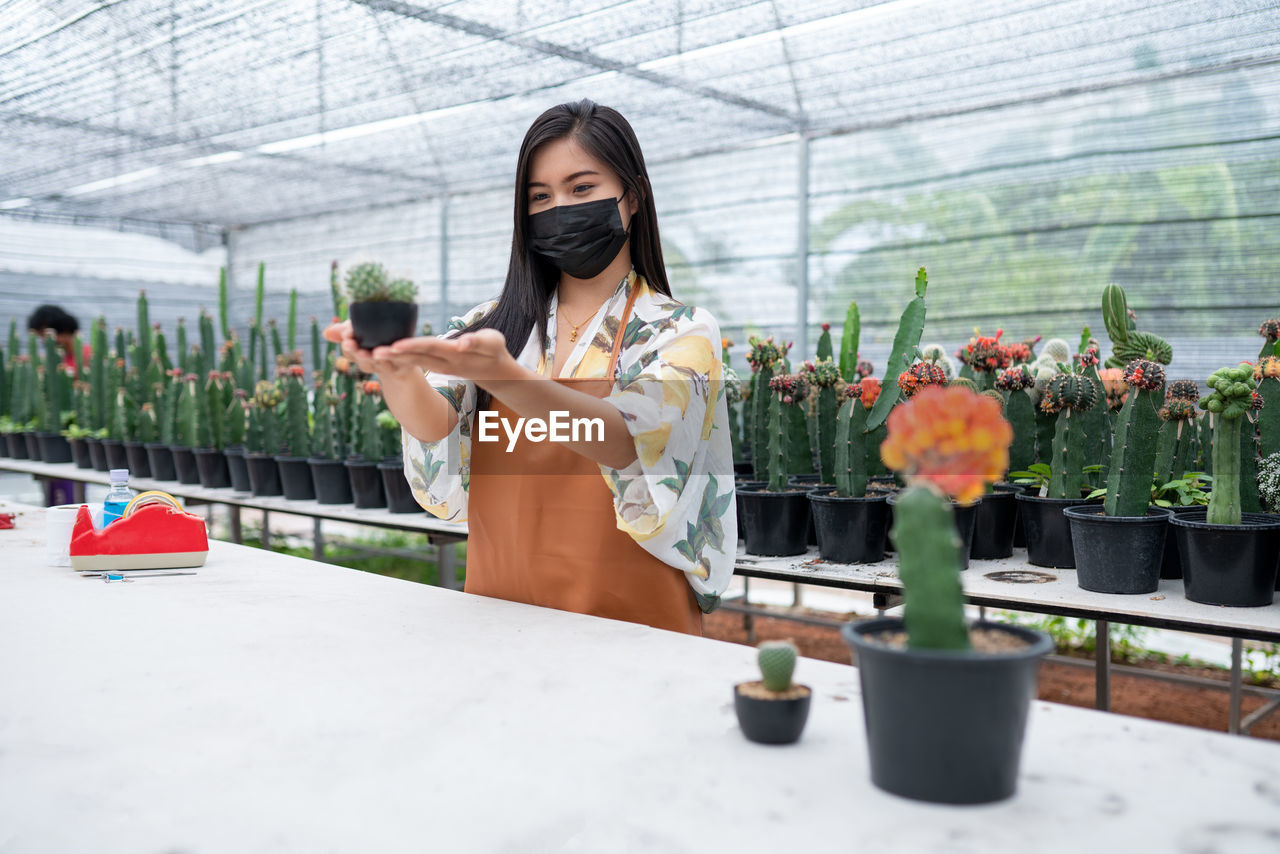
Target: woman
[{"x": 632, "y": 517}]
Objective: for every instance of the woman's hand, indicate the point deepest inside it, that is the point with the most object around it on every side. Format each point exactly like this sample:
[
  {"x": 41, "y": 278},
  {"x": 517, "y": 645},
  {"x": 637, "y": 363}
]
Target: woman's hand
[
  {"x": 381, "y": 360},
  {"x": 480, "y": 356}
]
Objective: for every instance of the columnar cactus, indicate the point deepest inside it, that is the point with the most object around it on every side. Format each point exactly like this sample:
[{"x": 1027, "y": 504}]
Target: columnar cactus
[
  {"x": 98, "y": 372},
  {"x": 267, "y": 398},
  {"x": 849, "y": 339},
  {"x": 905, "y": 342},
  {"x": 369, "y": 440},
  {"x": 184, "y": 356},
  {"x": 147, "y": 429},
  {"x": 788, "y": 443},
  {"x": 297, "y": 430},
  {"x": 208, "y": 345},
  {"x": 143, "y": 347},
  {"x": 1231, "y": 397},
  {"x": 1178, "y": 443},
  {"x": 237, "y": 418},
  {"x": 212, "y": 414},
  {"x": 1020, "y": 412},
  {"x": 123, "y": 418},
  {"x": 929, "y": 565},
  {"x": 851, "y": 445},
  {"x": 1270, "y": 332},
  {"x": 326, "y": 441},
  {"x": 824, "y": 375},
  {"x": 1067, "y": 396},
  {"x": 335, "y": 294},
  {"x": 1267, "y": 375},
  {"x": 186, "y": 419},
  {"x": 1097, "y": 423},
  {"x": 1134, "y": 460},
  {"x": 777, "y": 661},
  {"x": 765, "y": 358}
]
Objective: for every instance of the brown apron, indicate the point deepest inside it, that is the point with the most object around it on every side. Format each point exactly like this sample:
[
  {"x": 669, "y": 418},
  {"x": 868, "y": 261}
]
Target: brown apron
[{"x": 542, "y": 530}]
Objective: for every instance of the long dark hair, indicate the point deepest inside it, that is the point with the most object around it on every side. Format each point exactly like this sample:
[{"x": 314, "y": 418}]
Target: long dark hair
[{"x": 531, "y": 279}]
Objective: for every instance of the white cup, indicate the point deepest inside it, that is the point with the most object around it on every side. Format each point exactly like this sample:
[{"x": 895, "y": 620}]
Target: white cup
[{"x": 58, "y": 523}]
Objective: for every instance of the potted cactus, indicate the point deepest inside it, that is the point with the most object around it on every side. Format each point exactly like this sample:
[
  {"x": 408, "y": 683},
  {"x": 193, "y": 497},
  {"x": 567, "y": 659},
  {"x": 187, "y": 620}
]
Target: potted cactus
[
  {"x": 186, "y": 430},
  {"x": 773, "y": 710},
  {"x": 382, "y": 310},
  {"x": 1120, "y": 547},
  {"x": 776, "y": 515},
  {"x": 237, "y": 427},
  {"x": 55, "y": 405},
  {"x": 945, "y": 704},
  {"x": 211, "y": 458},
  {"x": 328, "y": 448},
  {"x": 1229, "y": 557},
  {"x": 120, "y": 430},
  {"x": 262, "y": 439},
  {"x": 160, "y": 451},
  {"x": 295, "y": 472},
  {"x": 368, "y": 448},
  {"x": 399, "y": 496}
]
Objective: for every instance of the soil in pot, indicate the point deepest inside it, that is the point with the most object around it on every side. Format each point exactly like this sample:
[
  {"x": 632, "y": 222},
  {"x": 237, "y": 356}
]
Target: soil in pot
[
  {"x": 238, "y": 470},
  {"x": 97, "y": 455},
  {"x": 1117, "y": 554},
  {"x": 946, "y": 726},
  {"x": 184, "y": 464},
  {"x": 965, "y": 516},
  {"x": 1048, "y": 532},
  {"x": 850, "y": 530},
  {"x": 367, "y": 490},
  {"x": 331, "y": 481},
  {"x": 399, "y": 496},
  {"x": 295, "y": 478},
  {"x": 161, "y": 460},
  {"x": 769, "y": 718},
  {"x": 54, "y": 448},
  {"x": 139, "y": 462},
  {"x": 1229, "y": 564},
  {"x": 213, "y": 469},
  {"x": 80, "y": 454},
  {"x": 994, "y": 523},
  {"x": 375, "y": 324},
  {"x": 775, "y": 523},
  {"x": 264, "y": 474}
]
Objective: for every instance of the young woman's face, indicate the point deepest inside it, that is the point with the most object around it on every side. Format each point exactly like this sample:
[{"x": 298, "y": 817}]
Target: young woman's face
[{"x": 562, "y": 172}]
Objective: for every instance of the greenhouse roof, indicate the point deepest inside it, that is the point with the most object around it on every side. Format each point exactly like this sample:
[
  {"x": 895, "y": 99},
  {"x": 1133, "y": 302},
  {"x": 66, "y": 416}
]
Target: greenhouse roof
[{"x": 234, "y": 113}]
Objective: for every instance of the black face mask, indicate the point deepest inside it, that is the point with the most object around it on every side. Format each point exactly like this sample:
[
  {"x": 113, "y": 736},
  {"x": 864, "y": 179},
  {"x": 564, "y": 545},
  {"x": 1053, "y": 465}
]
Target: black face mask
[{"x": 580, "y": 239}]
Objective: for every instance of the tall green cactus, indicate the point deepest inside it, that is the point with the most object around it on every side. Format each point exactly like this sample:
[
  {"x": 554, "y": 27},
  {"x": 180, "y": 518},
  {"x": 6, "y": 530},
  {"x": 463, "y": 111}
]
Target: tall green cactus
[
  {"x": 147, "y": 429},
  {"x": 1015, "y": 384},
  {"x": 184, "y": 357},
  {"x": 849, "y": 341},
  {"x": 224, "y": 322},
  {"x": 823, "y": 375},
  {"x": 777, "y": 660},
  {"x": 297, "y": 434},
  {"x": 317, "y": 352},
  {"x": 236, "y": 419},
  {"x": 905, "y": 342},
  {"x": 1127, "y": 342},
  {"x": 267, "y": 399},
  {"x": 213, "y": 413},
  {"x": 277, "y": 349},
  {"x": 928, "y": 544},
  {"x": 186, "y": 418},
  {"x": 167, "y": 407},
  {"x": 292, "y": 331},
  {"x": 850, "y": 462},
  {"x": 123, "y": 418},
  {"x": 789, "y": 451},
  {"x": 1231, "y": 392},
  {"x": 1178, "y": 443},
  {"x": 208, "y": 346},
  {"x": 1133, "y": 461},
  {"x": 369, "y": 443},
  {"x": 766, "y": 358},
  {"x": 98, "y": 357},
  {"x": 1067, "y": 396},
  {"x": 143, "y": 348},
  {"x": 1097, "y": 421},
  {"x": 335, "y": 293},
  {"x": 1270, "y": 332},
  {"x": 1267, "y": 376},
  {"x": 326, "y": 442}
]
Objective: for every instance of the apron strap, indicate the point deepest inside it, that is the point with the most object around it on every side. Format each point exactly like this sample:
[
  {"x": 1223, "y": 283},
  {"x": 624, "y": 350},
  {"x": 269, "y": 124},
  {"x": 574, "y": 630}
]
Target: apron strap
[{"x": 622, "y": 328}]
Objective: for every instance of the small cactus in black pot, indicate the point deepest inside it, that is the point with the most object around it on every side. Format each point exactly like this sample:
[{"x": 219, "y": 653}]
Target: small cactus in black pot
[{"x": 773, "y": 710}]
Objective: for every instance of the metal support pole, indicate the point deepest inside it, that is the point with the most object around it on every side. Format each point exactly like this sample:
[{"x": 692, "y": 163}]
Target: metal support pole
[
  {"x": 802, "y": 250},
  {"x": 1102, "y": 657},
  {"x": 444, "y": 266},
  {"x": 748, "y": 619},
  {"x": 233, "y": 512},
  {"x": 447, "y": 562},
  {"x": 266, "y": 529},
  {"x": 317, "y": 539},
  {"x": 1237, "y": 667}
]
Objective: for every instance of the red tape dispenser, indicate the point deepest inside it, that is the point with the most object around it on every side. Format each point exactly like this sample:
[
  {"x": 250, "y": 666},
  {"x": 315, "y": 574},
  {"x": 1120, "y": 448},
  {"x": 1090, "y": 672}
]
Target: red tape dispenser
[{"x": 152, "y": 534}]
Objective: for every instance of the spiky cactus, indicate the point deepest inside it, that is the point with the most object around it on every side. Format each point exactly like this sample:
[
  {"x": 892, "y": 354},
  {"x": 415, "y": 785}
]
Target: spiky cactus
[
  {"x": 905, "y": 342},
  {"x": 186, "y": 418},
  {"x": 98, "y": 372},
  {"x": 1231, "y": 397},
  {"x": 1127, "y": 342},
  {"x": 208, "y": 346},
  {"x": 788, "y": 442},
  {"x": 267, "y": 399},
  {"x": 766, "y": 358},
  {"x": 184, "y": 356},
  {"x": 326, "y": 442},
  {"x": 147, "y": 429},
  {"x": 1178, "y": 443},
  {"x": 824, "y": 375},
  {"x": 143, "y": 347},
  {"x": 1097, "y": 421},
  {"x": 1269, "y": 482},
  {"x": 1267, "y": 375},
  {"x": 335, "y": 294},
  {"x": 167, "y": 407},
  {"x": 850, "y": 452},
  {"x": 297, "y": 434},
  {"x": 1015, "y": 383},
  {"x": 777, "y": 660},
  {"x": 212, "y": 410},
  {"x": 929, "y": 564},
  {"x": 1067, "y": 396},
  {"x": 236, "y": 419},
  {"x": 369, "y": 439},
  {"x": 370, "y": 282},
  {"x": 1133, "y": 461},
  {"x": 123, "y": 418}
]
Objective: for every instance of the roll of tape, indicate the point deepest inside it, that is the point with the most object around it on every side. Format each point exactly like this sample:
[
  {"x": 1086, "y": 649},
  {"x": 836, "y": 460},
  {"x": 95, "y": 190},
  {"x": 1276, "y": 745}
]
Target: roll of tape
[{"x": 153, "y": 496}]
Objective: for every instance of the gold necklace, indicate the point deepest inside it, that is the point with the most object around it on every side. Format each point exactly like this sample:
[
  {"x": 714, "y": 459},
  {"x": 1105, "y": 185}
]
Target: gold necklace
[{"x": 573, "y": 334}]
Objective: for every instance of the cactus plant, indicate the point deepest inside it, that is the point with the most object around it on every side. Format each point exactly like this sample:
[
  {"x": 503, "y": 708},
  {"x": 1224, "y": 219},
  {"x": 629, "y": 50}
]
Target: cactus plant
[
  {"x": 1269, "y": 482},
  {"x": 147, "y": 429},
  {"x": 335, "y": 294},
  {"x": 212, "y": 413},
  {"x": 186, "y": 418},
  {"x": 850, "y": 337},
  {"x": 1097, "y": 422},
  {"x": 984, "y": 356},
  {"x": 824, "y": 375},
  {"x": 266, "y": 398},
  {"x": 905, "y": 342},
  {"x": 390, "y": 427},
  {"x": 184, "y": 356},
  {"x": 777, "y": 660},
  {"x": 368, "y": 441},
  {"x": 1178, "y": 443},
  {"x": 208, "y": 347},
  {"x": 1067, "y": 396},
  {"x": 765, "y": 358},
  {"x": 236, "y": 416},
  {"x": 1231, "y": 397},
  {"x": 1134, "y": 459},
  {"x": 326, "y": 440},
  {"x": 1127, "y": 342},
  {"x": 788, "y": 443},
  {"x": 929, "y": 565},
  {"x": 1267, "y": 375},
  {"x": 1015, "y": 384},
  {"x": 1270, "y": 332},
  {"x": 297, "y": 432},
  {"x": 920, "y": 376},
  {"x": 851, "y": 445}
]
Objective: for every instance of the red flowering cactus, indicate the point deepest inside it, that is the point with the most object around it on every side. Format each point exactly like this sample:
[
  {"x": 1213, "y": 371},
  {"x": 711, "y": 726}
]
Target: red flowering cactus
[
  {"x": 1268, "y": 367},
  {"x": 1089, "y": 358},
  {"x": 371, "y": 387},
  {"x": 868, "y": 391},
  {"x": 1183, "y": 390},
  {"x": 920, "y": 376},
  {"x": 1144, "y": 374},
  {"x": 1270, "y": 329},
  {"x": 864, "y": 368},
  {"x": 1015, "y": 379},
  {"x": 984, "y": 353},
  {"x": 792, "y": 387},
  {"x": 765, "y": 352}
]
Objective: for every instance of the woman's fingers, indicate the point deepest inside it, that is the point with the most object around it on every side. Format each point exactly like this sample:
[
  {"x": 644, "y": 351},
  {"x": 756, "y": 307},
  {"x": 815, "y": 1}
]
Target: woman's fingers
[{"x": 335, "y": 332}]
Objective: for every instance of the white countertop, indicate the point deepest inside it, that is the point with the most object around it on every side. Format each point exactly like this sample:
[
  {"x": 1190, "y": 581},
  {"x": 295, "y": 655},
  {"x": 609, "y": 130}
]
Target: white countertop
[{"x": 272, "y": 703}]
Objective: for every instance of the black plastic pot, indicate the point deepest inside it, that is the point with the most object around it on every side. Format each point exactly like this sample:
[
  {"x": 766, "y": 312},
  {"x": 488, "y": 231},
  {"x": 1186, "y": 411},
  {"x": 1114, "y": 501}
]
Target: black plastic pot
[
  {"x": 775, "y": 523},
  {"x": 965, "y": 516},
  {"x": 1019, "y": 532},
  {"x": 184, "y": 465},
  {"x": 80, "y": 454},
  {"x": 772, "y": 721},
  {"x": 97, "y": 455},
  {"x": 264, "y": 474},
  {"x": 1171, "y": 565},
  {"x": 33, "y": 445},
  {"x": 366, "y": 484},
  {"x": 377, "y": 323},
  {"x": 945, "y": 726},
  {"x": 995, "y": 521},
  {"x": 743, "y": 469},
  {"x": 53, "y": 448},
  {"x": 295, "y": 478},
  {"x": 1229, "y": 564},
  {"x": 116, "y": 457},
  {"x": 139, "y": 463},
  {"x": 238, "y": 469},
  {"x": 1117, "y": 554},
  {"x": 211, "y": 466},
  {"x": 331, "y": 481},
  {"x": 809, "y": 482},
  {"x": 399, "y": 496},
  {"x": 850, "y": 530},
  {"x": 16, "y": 445},
  {"x": 740, "y": 483},
  {"x": 161, "y": 460},
  {"x": 4, "y": 445},
  {"x": 1048, "y": 532}
]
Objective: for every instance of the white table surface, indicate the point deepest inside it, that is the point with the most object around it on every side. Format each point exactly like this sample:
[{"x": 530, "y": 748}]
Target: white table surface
[{"x": 272, "y": 703}]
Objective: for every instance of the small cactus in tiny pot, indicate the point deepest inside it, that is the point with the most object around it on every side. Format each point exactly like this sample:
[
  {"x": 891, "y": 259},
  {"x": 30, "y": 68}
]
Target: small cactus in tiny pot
[
  {"x": 773, "y": 710},
  {"x": 382, "y": 309},
  {"x": 777, "y": 660}
]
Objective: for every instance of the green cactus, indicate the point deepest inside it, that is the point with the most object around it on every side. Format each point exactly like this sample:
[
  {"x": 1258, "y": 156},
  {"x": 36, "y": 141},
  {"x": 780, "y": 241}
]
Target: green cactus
[
  {"x": 167, "y": 407},
  {"x": 162, "y": 349},
  {"x": 146, "y": 427},
  {"x": 777, "y": 660},
  {"x": 317, "y": 352},
  {"x": 905, "y": 343},
  {"x": 297, "y": 433},
  {"x": 824, "y": 375},
  {"x": 766, "y": 358},
  {"x": 367, "y": 283},
  {"x": 390, "y": 434},
  {"x": 267, "y": 399},
  {"x": 1231, "y": 392},
  {"x": 277, "y": 348},
  {"x": 123, "y": 419},
  {"x": 1267, "y": 376},
  {"x": 224, "y": 324},
  {"x": 292, "y": 332},
  {"x": 83, "y": 404},
  {"x": 212, "y": 414},
  {"x": 1250, "y": 502},
  {"x": 98, "y": 372},
  {"x": 184, "y": 357},
  {"x": 849, "y": 340},
  {"x": 143, "y": 348},
  {"x": 788, "y": 445},
  {"x": 335, "y": 293},
  {"x": 1133, "y": 462},
  {"x": 1127, "y": 342},
  {"x": 326, "y": 442},
  {"x": 253, "y": 438},
  {"x": 928, "y": 544},
  {"x": 345, "y": 388},
  {"x": 186, "y": 418},
  {"x": 1067, "y": 396},
  {"x": 851, "y": 438},
  {"x": 369, "y": 439},
  {"x": 208, "y": 346},
  {"x": 1178, "y": 443},
  {"x": 235, "y": 417},
  {"x": 1015, "y": 384}
]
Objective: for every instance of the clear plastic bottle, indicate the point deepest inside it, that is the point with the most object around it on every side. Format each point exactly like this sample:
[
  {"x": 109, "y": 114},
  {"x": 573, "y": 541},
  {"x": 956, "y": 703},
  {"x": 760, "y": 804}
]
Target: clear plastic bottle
[{"x": 117, "y": 498}]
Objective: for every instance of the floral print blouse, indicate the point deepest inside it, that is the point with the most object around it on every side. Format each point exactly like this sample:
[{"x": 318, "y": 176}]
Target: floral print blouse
[{"x": 676, "y": 500}]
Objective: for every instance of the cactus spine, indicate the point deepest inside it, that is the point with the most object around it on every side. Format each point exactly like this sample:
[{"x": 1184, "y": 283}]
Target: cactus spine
[
  {"x": 929, "y": 565},
  {"x": 1133, "y": 461},
  {"x": 1230, "y": 398},
  {"x": 777, "y": 660}
]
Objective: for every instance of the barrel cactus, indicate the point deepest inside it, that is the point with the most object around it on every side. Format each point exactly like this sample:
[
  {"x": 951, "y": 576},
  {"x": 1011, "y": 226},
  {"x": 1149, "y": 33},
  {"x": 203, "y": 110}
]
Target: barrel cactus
[{"x": 777, "y": 661}]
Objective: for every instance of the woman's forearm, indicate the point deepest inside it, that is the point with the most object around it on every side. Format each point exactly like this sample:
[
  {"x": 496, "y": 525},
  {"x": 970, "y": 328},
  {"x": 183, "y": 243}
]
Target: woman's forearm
[
  {"x": 422, "y": 411},
  {"x": 532, "y": 396}
]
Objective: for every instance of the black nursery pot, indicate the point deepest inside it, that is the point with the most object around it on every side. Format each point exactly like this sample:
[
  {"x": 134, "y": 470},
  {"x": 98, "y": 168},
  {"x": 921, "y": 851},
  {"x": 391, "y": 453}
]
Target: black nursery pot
[
  {"x": 399, "y": 496},
  {"x": 994, "y": 523},
  {"x": 4, "y": 445},
  {"x": 965, "y": 515},
  {"x": 850, "y": 530},
  {"x": 775, "y": 523},
  {"x": 80, "y": 454},
  {"x": 264, "y": 474},
  {"x": 54, "y": 448},
  {"x": 116, "y": 456},
  {"x": 743, "y": 469},
  {"x": 1048, "y": 532},
  {"x": 295, "y": 478},
  {"x": 366, "y": 484},
  {"x": 161, "y": 460},
  {"x": 1117, "y": 554},
  {"x": 97, "y": 454},
  {"x": 17, "y": 446},
  {"x": 139, "y": 463},
  {"x": 184, "y": 464},
  {"x": 33, "y": 445},
  {"x": 331, "y": 481},
  {"x": 377, "y": 323},
  {"x": 945, "y": 726},
  {"x": 772, "y": 721},
  {"x": 238, "y": 470},
  {"x": 1229, "y": 564},
  {"x": 212, "y": 467}
]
